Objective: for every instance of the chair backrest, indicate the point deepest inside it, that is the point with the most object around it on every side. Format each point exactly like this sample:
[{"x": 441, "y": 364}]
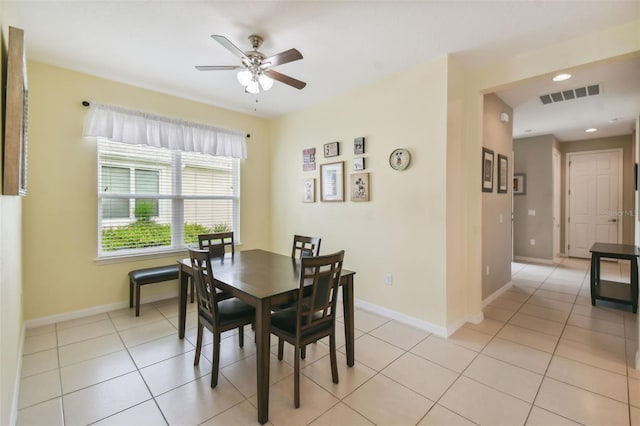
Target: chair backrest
[
  {"x": 318, "y": 294},
  {"x": 205, "y": 289},
  {"x": 218, "y": 243},
  {"x": 305, "y": 246}
]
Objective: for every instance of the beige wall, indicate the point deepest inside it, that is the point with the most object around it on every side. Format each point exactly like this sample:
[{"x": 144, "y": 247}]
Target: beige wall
[
  {"x": 11, "y": 315},
  {"x": 534, "y": 157},
  {"x": 496, "y": 207},
  {"x": 60, "y": 213},
  {"x": 401, "y": 230}
]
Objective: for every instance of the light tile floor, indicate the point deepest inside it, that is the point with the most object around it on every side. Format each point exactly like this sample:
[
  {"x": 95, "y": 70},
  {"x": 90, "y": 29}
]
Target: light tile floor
[{"x": 542, "y": 356}]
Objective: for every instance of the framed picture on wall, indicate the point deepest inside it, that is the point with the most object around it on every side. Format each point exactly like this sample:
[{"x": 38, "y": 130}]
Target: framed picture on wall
[
  {"x": 503, "y": 174},
  {"x": 332, "y": 181},
  {"x": 519, "y": 184},
  {"x": 360, "y": 187},
  {"x": 487, "y": 170},
  {"x": 331, "y": 149},
  {"x": 15, "y": 117},
  {"x": 309, "y": 191}
]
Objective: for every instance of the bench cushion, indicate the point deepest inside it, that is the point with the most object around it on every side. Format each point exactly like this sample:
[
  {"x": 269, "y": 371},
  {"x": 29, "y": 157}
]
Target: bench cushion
[{"x": 154, "y": 275}]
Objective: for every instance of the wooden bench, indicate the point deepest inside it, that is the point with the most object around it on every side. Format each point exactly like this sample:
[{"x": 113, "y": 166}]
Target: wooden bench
[{"x": 142, "y": 277}]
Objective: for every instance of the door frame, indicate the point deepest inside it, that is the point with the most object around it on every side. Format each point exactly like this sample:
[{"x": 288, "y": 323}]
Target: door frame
[
  {"x": 567, "y": 174},
  {"x": 556, "y": 156}
]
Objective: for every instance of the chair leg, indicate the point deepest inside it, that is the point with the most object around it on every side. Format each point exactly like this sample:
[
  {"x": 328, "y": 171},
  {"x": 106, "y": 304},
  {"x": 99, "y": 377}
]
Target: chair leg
[
  {"x": 137, "y": 299},
  {"x": 296, "y": 379},
  {"x": 216, "y": 360},
  {"x": 280, "y": 348},
  {"x": 192, "y": 291},
  {"x": 130, "y": 293},
  {"x": 333, "y": 358},
  {"x": 241, "y": 336},
  {"x": 303, "y": 352},
  {"x": 196, "y": 360}
]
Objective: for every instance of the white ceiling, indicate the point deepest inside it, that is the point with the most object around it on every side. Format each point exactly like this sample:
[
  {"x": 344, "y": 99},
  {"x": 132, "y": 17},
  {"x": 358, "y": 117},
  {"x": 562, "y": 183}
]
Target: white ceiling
[{"x": 346, "y": 44}]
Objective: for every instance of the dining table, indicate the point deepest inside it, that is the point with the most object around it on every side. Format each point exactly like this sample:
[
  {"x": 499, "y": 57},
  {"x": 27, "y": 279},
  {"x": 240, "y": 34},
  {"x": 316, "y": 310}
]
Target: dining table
[{"x": 264, "y": 280}]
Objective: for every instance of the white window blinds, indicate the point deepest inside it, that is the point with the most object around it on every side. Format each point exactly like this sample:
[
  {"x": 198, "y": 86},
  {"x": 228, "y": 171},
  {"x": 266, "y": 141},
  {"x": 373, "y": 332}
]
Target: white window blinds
[
  {"x": 154, "y": 199},
  {"x": 139, "y": 128}
]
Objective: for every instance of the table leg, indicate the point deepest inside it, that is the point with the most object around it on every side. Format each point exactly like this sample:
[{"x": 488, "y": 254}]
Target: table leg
[
  {"x": 594, "y": 272},
  {"x": 182, "y": 306},
  {"x": 263, "y": 353},
  {"x": 634, "y": 284},
  {"x": 347, "y": 306}
]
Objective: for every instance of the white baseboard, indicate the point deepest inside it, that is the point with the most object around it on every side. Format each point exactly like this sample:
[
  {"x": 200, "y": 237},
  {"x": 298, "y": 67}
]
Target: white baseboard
[
  {"x": 533, "y": 260},
  {"x": 52, "y": 319},
  {"x": 497, "y": 294},
  {"x": 418, "y": 323}
]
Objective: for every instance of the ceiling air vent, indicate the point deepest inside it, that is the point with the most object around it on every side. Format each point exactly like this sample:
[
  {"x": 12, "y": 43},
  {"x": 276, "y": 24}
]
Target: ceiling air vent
[{"x": 566, "y": 95}]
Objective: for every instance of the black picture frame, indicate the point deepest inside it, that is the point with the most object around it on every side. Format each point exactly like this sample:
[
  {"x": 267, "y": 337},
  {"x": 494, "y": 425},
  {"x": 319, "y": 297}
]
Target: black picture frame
[
  {"x": 503, "y": 174},
  {"x": 331, "y": 149},
  {"x": 358, "y": 146},
  {"x": 519, "y": 184},
  {"x": 487, "y": 170}
]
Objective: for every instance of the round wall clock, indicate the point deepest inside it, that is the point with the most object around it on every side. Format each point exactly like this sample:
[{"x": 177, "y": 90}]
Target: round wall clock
[{"x": 399, "y": 159}]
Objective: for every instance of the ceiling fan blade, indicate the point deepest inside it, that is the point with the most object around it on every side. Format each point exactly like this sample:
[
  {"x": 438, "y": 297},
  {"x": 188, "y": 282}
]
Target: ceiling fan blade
[
  {"x": 230, "y": 47},
  {"x": 283, "y": 57},
  {"x": 217, "y": 67},
  {"x": 286, "y": 79}
]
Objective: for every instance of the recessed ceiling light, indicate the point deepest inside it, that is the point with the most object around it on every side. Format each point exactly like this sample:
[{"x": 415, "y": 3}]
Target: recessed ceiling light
[
  {"x": 562, "y": 77},
  {"x": 591, "y": 130}
]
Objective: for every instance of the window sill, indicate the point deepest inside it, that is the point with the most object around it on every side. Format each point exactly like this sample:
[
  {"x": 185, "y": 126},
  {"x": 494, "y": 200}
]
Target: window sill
[{"x": 123, "y": 258}]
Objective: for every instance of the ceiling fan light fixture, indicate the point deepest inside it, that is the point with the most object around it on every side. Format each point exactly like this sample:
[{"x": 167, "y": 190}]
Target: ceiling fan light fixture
[
  {"x": 252, "y": 87},
  {"x": 244, "y": 77},
  {"x": 265, "y": 82}
]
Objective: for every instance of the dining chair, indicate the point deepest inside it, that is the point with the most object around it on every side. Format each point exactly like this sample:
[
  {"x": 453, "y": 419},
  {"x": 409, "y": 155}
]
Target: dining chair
[
  {"x": 218, "y": 244},
  {"x": 314, "y": 316},
  {"x": 305, "y": 246},
  {"x": 217, "y": 315}
]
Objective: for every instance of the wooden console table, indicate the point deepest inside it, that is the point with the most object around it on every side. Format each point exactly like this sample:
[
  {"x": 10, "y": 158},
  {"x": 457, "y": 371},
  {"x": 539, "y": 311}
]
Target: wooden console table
[{"x": 613, "y": 291}]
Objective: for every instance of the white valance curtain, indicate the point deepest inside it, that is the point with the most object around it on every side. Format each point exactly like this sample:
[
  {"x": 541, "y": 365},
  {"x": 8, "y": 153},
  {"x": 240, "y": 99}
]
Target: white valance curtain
[{"x": 140, "y": 128}]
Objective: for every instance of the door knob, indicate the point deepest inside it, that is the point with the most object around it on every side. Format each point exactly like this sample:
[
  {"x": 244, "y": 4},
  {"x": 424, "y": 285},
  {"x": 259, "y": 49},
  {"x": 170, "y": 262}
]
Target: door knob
[{"x": 613, "y": 220}]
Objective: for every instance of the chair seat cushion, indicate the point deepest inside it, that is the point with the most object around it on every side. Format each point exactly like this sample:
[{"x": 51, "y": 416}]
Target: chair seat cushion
[
  {"x": 285, "y": 320},
  {"x": 233, "y": 308},
  {"x": 154, "y": 275}
]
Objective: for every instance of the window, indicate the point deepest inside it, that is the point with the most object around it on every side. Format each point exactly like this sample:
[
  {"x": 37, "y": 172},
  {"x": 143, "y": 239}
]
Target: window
[{"x": 154, "y": 199}]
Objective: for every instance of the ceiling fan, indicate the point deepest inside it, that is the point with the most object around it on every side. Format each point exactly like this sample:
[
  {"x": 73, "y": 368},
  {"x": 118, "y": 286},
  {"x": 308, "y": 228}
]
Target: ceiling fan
[{"x": 256, "y": 67}]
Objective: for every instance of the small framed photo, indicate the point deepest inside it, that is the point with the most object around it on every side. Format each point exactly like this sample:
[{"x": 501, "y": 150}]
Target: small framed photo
[
  {"x": 360, "y": 187},
  {"x": 332, "y": 181},
  {"x": 487, "y": 170},
  {"x": 308, "y": 159},
  {"x": 358, "y": 163},
  {"x": 332, "y": 149},
  {"x": 519, "y": 184},
  {"x": 358, "y": 146},
  {"x": 503, "y": 174},
  {"x": 309, "y": 191}
]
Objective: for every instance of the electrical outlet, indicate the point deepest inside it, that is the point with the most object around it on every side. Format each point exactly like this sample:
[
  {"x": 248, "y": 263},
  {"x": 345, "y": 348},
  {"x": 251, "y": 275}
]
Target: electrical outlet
[
  {"x": 532, "y": 212},
  {"x": 488, "y": 271},
  {"x": 388, "y": 279},
  {"x": 532, "y": 242}
]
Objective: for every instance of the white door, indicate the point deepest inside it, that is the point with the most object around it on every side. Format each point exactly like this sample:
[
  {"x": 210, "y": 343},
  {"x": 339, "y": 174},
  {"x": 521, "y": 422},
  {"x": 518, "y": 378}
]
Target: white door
[
  {"x": 556, "y": 202},
  {"x": 595, "y": 182}
]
